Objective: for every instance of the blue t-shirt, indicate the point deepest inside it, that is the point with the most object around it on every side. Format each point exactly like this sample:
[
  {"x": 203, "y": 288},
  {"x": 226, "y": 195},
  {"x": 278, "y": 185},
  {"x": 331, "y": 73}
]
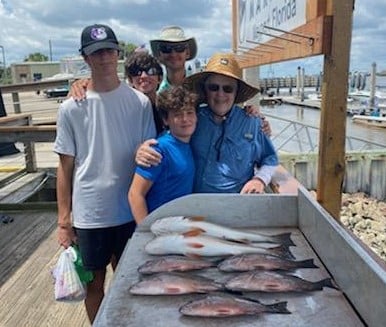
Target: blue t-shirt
[
  {"x": 225, "y": 154},
  {"x": 174, "y": 176}
]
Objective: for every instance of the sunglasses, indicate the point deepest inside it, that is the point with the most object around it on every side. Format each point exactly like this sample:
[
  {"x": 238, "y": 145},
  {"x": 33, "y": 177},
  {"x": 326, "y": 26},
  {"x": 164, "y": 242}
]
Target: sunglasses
[
  {"x": 150, "y": 71},
  {"x": 216, "y": 87},
  {"x": 168, "y": 48}
]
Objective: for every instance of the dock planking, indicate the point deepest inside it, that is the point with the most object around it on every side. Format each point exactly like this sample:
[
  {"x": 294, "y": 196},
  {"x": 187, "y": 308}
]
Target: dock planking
[{"x": 28, "y": 252}]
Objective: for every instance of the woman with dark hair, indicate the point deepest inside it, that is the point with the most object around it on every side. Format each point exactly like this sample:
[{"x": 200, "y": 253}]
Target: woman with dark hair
[{"x": 144, "y": 73}]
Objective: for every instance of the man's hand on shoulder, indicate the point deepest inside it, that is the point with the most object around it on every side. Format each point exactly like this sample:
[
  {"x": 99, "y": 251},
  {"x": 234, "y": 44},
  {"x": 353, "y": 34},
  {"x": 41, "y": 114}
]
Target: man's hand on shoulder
[{"x": 146, "y": 156}]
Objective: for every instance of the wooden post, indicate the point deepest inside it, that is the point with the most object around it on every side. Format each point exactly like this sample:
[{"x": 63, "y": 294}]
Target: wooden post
[
  {"x": 30, "y": 154},
  {"x": 331, "y": 168},
  {"x": 16, "y": 102}
]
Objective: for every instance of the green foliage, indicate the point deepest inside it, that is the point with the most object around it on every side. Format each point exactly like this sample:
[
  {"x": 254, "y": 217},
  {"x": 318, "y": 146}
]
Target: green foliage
[
  {"x": 5, "y": 76},
  {"x": 127, "y": 48},
  {"x": 37, "y": 56}
]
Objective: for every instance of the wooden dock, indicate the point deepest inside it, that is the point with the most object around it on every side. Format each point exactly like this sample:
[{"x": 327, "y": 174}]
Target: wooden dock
[{"x": 28, "y": 252}]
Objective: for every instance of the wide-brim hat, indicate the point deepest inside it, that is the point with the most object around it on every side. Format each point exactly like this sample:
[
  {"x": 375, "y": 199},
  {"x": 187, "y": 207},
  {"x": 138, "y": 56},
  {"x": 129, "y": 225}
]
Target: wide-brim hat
[
  {"x": 174, "y": 34},
  {"x": 227, "y": 65}
]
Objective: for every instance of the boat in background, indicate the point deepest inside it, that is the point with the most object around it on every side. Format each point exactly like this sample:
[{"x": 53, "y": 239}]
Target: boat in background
[{"x": 369, "y": 120}]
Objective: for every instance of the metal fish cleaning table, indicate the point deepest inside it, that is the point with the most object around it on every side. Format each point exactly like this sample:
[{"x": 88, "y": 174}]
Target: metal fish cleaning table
[{"x": 361, "y": 277}]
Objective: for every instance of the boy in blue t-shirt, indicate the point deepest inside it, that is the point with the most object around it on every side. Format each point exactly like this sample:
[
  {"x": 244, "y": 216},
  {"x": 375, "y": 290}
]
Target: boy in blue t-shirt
[{"x": 173, "y": 177}]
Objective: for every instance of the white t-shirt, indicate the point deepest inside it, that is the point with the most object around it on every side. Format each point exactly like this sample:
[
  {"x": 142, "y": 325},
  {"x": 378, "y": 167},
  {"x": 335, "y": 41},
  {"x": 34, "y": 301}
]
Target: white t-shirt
[{"x": 102, "y": 133}]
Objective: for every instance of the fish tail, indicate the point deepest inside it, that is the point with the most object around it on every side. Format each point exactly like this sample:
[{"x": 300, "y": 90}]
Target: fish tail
[
  {"x": 279, "y": 307},
  {"x": 309, "y": 263},
  {"x": 282, "y": 251},
  {"x": 326, "y": 283},
  {"x": 284, "y": 239}
]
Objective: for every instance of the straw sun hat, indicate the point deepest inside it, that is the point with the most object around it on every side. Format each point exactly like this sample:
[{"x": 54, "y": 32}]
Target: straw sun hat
[
  {"x": 223, "y": 64},
  {"x": 174, "y": 34}
]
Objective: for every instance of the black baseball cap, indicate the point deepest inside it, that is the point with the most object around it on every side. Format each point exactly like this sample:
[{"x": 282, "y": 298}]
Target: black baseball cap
[{"x": 96, "y": 37}]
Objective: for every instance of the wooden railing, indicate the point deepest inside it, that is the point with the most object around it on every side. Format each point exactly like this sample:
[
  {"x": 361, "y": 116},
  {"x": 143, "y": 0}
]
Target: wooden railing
[
  {"x": 19, "y": 128},
  {"x": 14, "y": 89}
]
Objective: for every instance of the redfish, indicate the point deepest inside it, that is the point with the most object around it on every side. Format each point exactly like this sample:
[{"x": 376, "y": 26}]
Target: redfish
[
  {"x": 192, "y": 245},
  {"x": 216, "y": 306},
  {"x": 269, "y": 281},
  {"x": 182, "y": 224},
  {"x": 252, "y": 261},
  {"x": 174, "y": 284},
  {"x": 174, "y": 263}
]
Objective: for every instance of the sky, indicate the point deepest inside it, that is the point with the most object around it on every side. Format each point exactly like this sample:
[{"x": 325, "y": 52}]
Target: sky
[{"x": 53, "y": 28}]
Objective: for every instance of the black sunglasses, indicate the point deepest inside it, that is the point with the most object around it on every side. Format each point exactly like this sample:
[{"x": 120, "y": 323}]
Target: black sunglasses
[
  {"x": 168, "y": 48},
  {"x": 216, "y": 87},
  {"x": 152, "y": 71}
]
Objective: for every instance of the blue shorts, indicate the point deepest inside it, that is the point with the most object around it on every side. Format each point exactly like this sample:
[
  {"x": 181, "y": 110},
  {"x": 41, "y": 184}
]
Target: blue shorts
[{"x": 98, "y": 245}]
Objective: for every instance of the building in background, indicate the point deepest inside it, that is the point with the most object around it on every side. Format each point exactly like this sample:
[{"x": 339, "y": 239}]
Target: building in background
[
  {"x": 68, "y": 67},
  {"x": 28, "y": 71}
]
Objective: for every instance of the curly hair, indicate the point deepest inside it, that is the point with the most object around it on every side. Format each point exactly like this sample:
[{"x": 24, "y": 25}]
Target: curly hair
[
  {"x": 175, "y": 99},
  {"x": 141, "y": 61}
]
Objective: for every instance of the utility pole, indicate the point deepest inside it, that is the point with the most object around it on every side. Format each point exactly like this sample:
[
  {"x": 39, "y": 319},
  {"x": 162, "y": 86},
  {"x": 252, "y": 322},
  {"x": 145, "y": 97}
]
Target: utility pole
[
  {"x": 4, "y": 65},
  {"x": 50, "y": 47}
]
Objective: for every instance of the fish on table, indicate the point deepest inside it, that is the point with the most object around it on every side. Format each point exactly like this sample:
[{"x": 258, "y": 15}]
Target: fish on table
[
  {"x": 173, "y": 263},
  {"x": 270, "y": 281},
  {"x": 217, "y": 306},
  {"x": 174, "y": 284},
  {"x": 260, "y": 261},
  {"x": 183, "y": 224},
  {"x": 194, "y": 244}
]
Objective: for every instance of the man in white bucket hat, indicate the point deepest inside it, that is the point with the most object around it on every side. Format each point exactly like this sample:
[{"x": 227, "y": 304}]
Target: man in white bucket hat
[{"x": 172, "y": 48}]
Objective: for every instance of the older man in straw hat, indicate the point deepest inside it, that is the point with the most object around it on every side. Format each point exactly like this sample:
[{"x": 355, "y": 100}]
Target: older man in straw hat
[
  {"x": 172, "y": 48},
  {"x": 228, "y": 144}
]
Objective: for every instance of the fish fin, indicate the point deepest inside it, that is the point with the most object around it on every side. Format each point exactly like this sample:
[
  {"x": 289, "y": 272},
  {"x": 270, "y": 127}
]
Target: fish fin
[
  {"x": 196, "y": 218},
  {"x": 326, "y": 283},
  {"x": 279, "y": 307},
  {"x": 284, "y": 239},
  {"x": 172, "y": 290},
  {"x": 282, "y": 251},
  {"x": 308, "y": 263},
  {"x": 242, "y": 297},
  {"x": 195, "y": 245},
  {"x": 241, "y": 241},
  {"x": 217, "y": 261},
  {"x": 193, "y": 232}
]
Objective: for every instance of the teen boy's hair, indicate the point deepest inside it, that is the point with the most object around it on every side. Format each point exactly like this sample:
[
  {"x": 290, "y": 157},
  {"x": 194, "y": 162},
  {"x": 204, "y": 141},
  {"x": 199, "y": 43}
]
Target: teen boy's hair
[{"x": 175, "y": 99}]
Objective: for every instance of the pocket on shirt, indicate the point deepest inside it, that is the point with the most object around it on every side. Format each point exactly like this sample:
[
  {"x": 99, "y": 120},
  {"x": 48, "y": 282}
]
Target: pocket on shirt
[{"x": 236, "y": 156}]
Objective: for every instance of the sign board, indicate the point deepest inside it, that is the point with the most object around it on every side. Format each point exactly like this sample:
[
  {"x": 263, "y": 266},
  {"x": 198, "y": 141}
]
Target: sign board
[
  {"x": 269, "y": 31},
  {"x": 254, "y": 15}
]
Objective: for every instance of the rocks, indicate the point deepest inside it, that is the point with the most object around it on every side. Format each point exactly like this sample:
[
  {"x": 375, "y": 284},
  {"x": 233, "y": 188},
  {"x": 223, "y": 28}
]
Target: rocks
[{"x": 366, "y": 218}]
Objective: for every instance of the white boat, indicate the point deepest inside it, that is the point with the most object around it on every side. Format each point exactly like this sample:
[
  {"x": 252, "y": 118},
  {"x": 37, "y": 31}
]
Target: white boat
[{"x": 370, "y": 120}]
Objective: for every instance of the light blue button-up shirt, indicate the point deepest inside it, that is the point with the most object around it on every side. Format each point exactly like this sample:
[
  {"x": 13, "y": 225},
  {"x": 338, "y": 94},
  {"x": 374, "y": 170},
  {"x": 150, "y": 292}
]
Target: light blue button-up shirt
[{"x": 226, "y": 154}]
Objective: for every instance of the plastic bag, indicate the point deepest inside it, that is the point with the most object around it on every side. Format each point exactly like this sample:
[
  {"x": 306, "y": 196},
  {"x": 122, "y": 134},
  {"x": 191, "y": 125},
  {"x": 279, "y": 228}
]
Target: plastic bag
[{"x": 68, "y": 287}]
